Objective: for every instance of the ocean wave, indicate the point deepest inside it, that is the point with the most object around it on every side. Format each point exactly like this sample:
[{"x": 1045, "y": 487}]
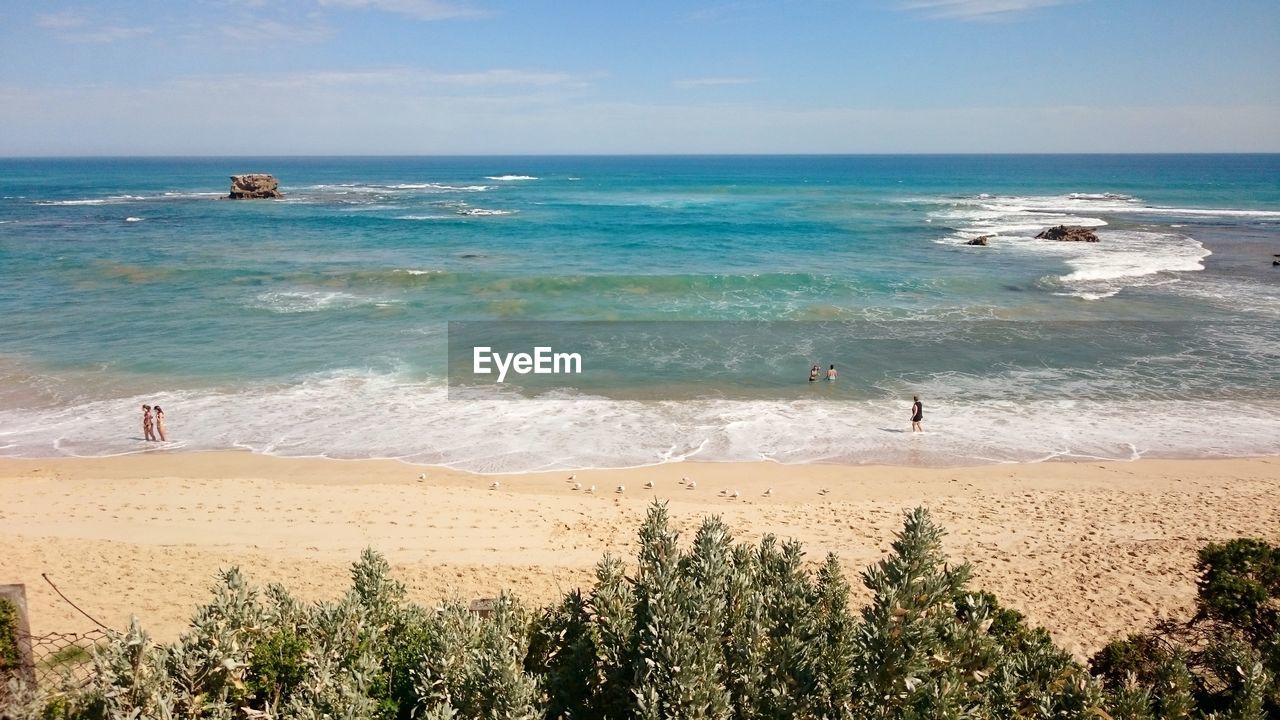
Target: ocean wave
[
  {"x": 423, "y": 217},
  {"x": 1121, "y": 260},
  {"x": 71, "y": 203},
  {"x": 305, "y": 301},
  {"x": 482, "y": 212},
  {"x": 509, "y": 178},
  {"x": 396, "y": 188},
  {"x": 1076, "y": 208},
  {"x": 133, "y": 219},
  {"x": 356, "y": 414},
  {"x": 367, "y": 281},
  {"x": 126, "y": 199},
  {"x": 1127, "y": 259}
]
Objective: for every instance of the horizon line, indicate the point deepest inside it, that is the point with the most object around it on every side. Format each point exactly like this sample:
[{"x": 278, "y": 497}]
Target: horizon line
[{"x": 633, "y": 155}]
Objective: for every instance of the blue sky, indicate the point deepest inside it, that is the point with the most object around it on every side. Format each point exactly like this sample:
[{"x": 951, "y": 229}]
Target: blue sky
[{"x": 281, "y": 77}]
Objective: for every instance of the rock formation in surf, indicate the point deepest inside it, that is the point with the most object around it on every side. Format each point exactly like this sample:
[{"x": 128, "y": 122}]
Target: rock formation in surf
[
  {"x": 1068, "y": 233},
  {"x": 980, "y": 240},
  {"x": 255, "y": 186}
]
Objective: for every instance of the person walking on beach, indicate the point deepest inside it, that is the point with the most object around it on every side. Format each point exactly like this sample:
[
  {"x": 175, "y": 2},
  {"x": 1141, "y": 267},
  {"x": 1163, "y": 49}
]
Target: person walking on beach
[
  {"x": 147, "y": 432},
  {"x": 917, "y": 414},
  {"x": 831, "y": 373},
  {"x": 813, "y": 373},
  {"x": 160, "y": 424}
]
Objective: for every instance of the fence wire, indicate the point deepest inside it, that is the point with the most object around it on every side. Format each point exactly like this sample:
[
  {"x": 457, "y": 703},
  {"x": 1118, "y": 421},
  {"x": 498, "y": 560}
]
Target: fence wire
[{"x": 64, "y": 660}]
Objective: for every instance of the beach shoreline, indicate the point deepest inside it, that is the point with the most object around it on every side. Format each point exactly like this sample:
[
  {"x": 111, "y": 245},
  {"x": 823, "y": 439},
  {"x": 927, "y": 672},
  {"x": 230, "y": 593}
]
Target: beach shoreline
[{"x": 1089, "y": 549}]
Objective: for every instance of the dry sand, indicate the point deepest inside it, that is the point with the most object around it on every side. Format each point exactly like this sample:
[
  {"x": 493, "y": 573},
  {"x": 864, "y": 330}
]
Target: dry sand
[{"x": 1089, "y": 550}]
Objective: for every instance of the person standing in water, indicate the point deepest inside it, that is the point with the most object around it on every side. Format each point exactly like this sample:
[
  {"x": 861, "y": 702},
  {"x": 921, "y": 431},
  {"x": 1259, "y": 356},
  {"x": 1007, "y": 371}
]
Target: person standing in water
[
  {"x": 831, "y": 373},
  {"x": 147, "y": 432},
  {"x": 813, "y": 373},
  {"x": 160, "y": 424},
  {"x": 917, "y": 414}
]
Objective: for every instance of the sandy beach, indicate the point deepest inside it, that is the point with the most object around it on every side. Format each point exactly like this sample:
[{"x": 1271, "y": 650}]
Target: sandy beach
[{"x": 1089, "y": 550}]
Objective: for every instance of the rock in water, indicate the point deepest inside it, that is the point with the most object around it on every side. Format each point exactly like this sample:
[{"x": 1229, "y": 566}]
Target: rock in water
[
  {"x": 1068, "y": 233},
  {"x": 979, "y": 241},
  {"x": 251, "y": 187}
]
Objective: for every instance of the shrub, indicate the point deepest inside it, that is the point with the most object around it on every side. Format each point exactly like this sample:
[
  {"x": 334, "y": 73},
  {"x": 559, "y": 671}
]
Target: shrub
[
  {"x": 10, "y": 651},
  {"x": 718, "y": 631}
]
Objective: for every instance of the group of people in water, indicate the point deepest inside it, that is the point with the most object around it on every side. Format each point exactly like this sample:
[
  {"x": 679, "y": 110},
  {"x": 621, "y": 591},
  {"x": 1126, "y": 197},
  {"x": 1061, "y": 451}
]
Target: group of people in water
[
  {"x": 153, "y": 423},
  {"x": 917, "y": 407},
  {"x": 816, "y": 370}
]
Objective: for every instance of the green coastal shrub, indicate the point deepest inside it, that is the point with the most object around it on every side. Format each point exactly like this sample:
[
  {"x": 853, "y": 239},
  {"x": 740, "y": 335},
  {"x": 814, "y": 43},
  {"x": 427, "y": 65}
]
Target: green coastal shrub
[
  {"x": 710, "y": 629},
  {"x": 10, "y": 651},
  {"x": 1224, "y": 662}
]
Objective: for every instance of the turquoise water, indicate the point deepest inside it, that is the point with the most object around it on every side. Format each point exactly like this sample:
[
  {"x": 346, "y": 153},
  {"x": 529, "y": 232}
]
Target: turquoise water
[{"x": 317, "y": 324}]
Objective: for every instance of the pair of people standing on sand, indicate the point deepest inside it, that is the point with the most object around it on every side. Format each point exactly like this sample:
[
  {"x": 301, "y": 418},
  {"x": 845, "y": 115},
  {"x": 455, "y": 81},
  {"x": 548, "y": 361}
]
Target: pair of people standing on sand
[{"x": 153, "y": 423}]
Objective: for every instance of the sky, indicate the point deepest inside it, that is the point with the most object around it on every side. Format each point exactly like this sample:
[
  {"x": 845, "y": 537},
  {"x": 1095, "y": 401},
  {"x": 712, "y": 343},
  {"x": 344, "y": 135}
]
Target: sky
[{"x": 461, "y": 77}]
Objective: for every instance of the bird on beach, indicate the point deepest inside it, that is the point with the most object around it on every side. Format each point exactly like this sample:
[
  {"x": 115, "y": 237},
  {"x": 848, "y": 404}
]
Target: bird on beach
[
  {"x": 734, "y": 494},
  {"x": 591, "y": 489},
  {"x": 577, "y": 486},
  {"x": 823, "y": 491},
  {"x": 620, "y": 489},
  {"x": 684, "y": 480},
  {"x": 724, "y": 492},
  {"x": 768, "y": 492},
  {"x": 422, "y": 476},
  {"x": 495, "y": 485},
  {"x": 691, "y": 485},
  {"x": 573, "y": 477},
  {"x": 649, "y": 484}
]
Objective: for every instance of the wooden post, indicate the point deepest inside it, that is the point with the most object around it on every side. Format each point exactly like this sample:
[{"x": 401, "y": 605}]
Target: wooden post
[{"x": 21, "y": 636}]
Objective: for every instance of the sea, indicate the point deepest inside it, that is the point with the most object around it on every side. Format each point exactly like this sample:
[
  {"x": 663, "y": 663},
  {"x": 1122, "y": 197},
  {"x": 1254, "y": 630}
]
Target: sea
[{"x": 319, "y": 324}]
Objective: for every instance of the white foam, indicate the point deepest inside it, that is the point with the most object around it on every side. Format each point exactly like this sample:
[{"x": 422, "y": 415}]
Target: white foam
[
  {"x": 422, "y": 217},
  {"x": 90, "y": 201},
  {"x": 481, "y": 212},
  {"x": 1098, "y": 270},
  {"x": 331, "y": 415},
  {"x": 442, "y": 187},
  {"x": 509, "y": 178},
  {"x": 302, "y": 301},
  {"x": 133, "y": 219}
]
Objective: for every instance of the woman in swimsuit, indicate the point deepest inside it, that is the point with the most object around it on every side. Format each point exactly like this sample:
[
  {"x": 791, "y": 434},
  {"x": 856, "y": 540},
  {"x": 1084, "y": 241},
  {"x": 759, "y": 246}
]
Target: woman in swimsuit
[
  {"x": 831, "y": 373},
  {"x": 160, "y": 424},
  {"x": 813, "y": 374},
  {"x": 917, "y": 414},
  {"x": 147, "y": 432}
]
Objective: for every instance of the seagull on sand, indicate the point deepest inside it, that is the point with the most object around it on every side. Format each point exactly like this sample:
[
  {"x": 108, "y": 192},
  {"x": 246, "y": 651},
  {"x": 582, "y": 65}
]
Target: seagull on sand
[
  {"x": 692, "y": 485},
  {"x": 768, "y": 492},
  {"x": 684, "y": 481},
  {"x": 734, "y": 494},
  {"x": 591, "y": 489},
  {"x": 621, "y": 489},
  {"x": 573, "y": 477},
  {"x": 495, "y": 485},
  {"x": 422, "y": 476},
  {"x": 649, "y": 484},
  {"x": 577, "y": 486}
]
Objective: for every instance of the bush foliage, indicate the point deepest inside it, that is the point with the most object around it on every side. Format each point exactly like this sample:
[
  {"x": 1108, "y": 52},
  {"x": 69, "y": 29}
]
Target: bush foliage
[{"x": 715, "y": 631}]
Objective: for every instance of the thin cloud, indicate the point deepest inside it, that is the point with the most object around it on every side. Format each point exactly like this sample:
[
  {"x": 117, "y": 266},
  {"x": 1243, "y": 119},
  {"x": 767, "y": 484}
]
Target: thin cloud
[
  {"x": 693, "y": 83},
  {"x": 272, "y": 31},
  {"x": 416, "y": 9},
  {"x": 76, "y": 27},
  {"x": 976, "y": 9},
  {"x": 404, "y": 78}
]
